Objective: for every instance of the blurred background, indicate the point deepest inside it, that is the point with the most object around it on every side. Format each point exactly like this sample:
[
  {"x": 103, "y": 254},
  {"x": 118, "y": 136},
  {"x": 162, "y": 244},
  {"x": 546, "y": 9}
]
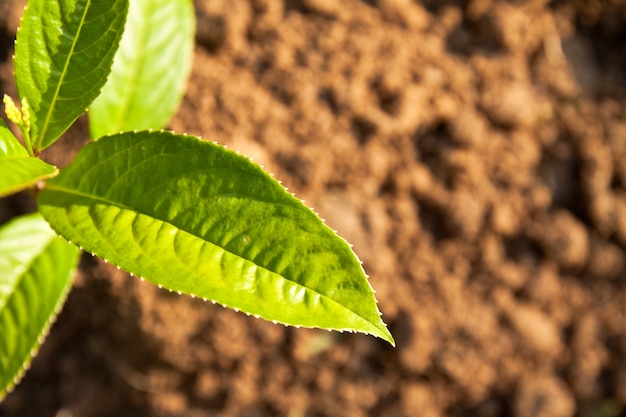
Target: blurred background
[{"x": 474, "y": 152}]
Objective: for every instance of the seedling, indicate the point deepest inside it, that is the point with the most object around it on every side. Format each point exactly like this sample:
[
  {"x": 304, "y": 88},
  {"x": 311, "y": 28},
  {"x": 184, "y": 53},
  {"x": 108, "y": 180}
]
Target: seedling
[{"x": 185, "y": 214}]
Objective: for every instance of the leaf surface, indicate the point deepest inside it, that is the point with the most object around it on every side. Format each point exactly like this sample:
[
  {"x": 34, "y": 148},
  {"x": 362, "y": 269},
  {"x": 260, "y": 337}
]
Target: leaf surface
[
  {"x": 195, "y": 217},
  {"x": 35, "y": 275},
  {"x": 19, "y": 170},
  {"x": 63, "y": 54},
  {"x": 150, "y": 69}
]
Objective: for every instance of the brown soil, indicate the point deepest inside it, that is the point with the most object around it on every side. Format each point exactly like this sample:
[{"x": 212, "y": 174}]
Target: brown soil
[{"x": 474, "y": 153}]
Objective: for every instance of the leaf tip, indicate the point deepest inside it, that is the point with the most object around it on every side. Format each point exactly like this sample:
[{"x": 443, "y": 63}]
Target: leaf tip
[
  {"x": 382, "y": 332},
  {"x": 389, "y": 339}
]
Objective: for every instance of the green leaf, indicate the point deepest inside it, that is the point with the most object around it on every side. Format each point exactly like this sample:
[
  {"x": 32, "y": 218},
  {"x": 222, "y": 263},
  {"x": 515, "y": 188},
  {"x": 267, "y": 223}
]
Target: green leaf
[
  {"x": 19, "y": 170},
  {"x": 150, "y": 69},
  {"x": 195, "y": 217},
  {"x": 9, "y": 145},
  {"x": 36, "y": 269},
  {"x": 63, "y": 54}
]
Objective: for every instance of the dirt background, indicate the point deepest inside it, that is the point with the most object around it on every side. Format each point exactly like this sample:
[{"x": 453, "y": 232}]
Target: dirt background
[{"x": 474, "y": 153}]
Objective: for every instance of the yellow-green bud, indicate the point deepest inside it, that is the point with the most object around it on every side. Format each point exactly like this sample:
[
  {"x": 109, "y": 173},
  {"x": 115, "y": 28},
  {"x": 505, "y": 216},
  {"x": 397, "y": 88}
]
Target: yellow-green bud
[
  {"x": 13, "y": 113},
  {"x": 25, "y": 113}
]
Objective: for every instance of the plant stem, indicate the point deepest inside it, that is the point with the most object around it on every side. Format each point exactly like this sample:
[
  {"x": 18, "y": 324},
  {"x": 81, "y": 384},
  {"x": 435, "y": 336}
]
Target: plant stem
[{"x": 27, "y": 141}]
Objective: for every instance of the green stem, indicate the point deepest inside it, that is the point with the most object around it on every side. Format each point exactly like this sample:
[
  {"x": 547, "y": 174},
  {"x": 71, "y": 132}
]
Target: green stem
[{"x": 27, "y": 141}]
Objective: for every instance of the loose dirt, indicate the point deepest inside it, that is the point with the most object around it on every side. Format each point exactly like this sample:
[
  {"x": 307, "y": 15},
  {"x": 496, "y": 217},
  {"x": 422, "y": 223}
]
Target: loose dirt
[{"x": 475, "y": 155}]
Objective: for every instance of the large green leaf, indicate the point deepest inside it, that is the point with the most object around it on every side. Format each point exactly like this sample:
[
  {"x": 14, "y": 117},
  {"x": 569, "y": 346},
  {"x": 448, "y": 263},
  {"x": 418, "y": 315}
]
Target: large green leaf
[
  {"x": 195, "y": 217},
  {"x": 19, "y": 170},
  {"x": 36, "y": 270},
  {"x": 150, "y": 69},
  {"x": 63, "y": 54}
]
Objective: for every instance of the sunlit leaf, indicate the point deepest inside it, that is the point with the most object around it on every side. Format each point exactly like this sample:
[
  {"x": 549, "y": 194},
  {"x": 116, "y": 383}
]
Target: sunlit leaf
[
  {"x": 150, "y": 71},
  {"x": 19, "y": 170},
  {"x": 35, "y": 274},
  {"x": 197, "y": 218},
  {"x": 63, "y": 54}
]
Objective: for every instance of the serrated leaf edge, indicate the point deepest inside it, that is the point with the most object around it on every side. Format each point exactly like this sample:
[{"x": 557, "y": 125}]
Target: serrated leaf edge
[
  {"x": 40, "y": 338},
  {"x": 44, "y": 127},
  {"x": 341, "y": 330},
  {"x": 225, "y": 305}
]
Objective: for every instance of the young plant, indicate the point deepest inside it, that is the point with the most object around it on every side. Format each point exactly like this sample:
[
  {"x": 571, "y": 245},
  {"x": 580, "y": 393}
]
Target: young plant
[{"x": 185, "y": 214}]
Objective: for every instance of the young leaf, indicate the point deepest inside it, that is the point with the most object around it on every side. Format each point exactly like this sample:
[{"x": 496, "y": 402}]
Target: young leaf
[
  {"x": 195, "y": 217},
  {"x": 63, "y": 54},
  {"x": 150, "y": 69},
  {"x": 19, "y": 170},
  {"x": 36, "y": 270}
]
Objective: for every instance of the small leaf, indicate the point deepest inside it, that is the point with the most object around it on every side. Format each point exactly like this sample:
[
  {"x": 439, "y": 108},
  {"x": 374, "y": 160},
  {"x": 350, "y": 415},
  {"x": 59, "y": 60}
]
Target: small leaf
[
  {"x": 19, "y": 170},
  {"x": 9, "y": 145},
  {"x": 63, "y": 54},
  {"x": 197, "y": 218},
  {"x": 150, "y": 69},
  {"x": 36, "y": 269}
]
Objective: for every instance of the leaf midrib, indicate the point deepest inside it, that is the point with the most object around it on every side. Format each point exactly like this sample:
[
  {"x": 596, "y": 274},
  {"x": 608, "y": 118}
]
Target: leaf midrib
[
  {"x": 55, "y": 96},
  {"x": 32, "y": 350},
  {"x": 125, "y": 207},
  {"x": 26, "y": 268}
]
